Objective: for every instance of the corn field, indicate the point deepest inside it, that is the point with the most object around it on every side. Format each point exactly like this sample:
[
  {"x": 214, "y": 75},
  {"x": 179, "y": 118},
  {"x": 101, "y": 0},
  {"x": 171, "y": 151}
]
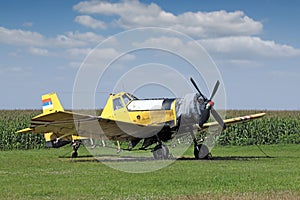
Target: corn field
[
  {"x": 277, "y": 127},
  {"x": 13, "y": 120}
]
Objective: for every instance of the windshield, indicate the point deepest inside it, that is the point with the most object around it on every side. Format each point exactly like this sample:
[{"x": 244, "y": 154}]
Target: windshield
[
  {"x": 126, "y": 99},
  {"x": 132, "y": 97}
]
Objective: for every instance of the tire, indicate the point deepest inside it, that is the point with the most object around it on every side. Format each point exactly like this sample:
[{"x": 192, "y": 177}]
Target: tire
[
  {"x": 74, "y": 154},
  {"x": 201, "y": 151},
  {"x": 161, "y": 152}
]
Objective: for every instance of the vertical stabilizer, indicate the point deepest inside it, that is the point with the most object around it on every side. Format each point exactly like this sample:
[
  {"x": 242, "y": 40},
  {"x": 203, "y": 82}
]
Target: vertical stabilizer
[{"x": 51, "y": 103}]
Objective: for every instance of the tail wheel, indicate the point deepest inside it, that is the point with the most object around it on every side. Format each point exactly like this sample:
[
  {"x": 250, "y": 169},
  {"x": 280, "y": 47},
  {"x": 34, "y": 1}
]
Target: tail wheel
[
  {"x": 201, "y": 151},
  {"x": 160, "y": 152}
]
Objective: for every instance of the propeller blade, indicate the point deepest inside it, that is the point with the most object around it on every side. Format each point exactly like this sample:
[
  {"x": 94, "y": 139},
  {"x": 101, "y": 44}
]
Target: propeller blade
[
  {"x": 215, "y": 90},
  {"x": 204, "y": 117},
  {"x": 218, "y": 118},
  {"x": 195, "y": 85}
]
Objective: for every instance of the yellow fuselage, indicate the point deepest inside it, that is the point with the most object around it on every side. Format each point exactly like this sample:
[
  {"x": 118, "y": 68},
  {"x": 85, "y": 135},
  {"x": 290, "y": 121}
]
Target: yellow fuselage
[{"x": 143, "y": 112}]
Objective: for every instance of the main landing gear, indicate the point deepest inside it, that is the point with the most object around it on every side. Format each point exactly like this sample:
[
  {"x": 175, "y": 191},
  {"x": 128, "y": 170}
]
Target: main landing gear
[
  {"x": 201, "y": 151},
  {"x": 161, "y": 152}
]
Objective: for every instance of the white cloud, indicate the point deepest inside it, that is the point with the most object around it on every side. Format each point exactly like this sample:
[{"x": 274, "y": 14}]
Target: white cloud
[
  {"x": 75, "y": 39},
  {"x": 246, "y": 46},
  {"x": 21, "y": 37},
  {"x": 67, "y": 41},
  {"x": 228, "y": 34},
  {"x": 15, "y": 70},
  {"x": 89, "y": 37},
  {"x": 163, "y": 42},
  {"x": 133, "y": 14},
  {"x": 109, "y": 54},
  {"x": 240, "y": 51},
  {"x": 90, "y": 22},
  {"x": 38, "y": 51},
  {"x": 75, "y": 52},
  {"x": 244, "y": 63},
  {"x": 97, "y": 56},
  {"x": 126, "y": 7}
]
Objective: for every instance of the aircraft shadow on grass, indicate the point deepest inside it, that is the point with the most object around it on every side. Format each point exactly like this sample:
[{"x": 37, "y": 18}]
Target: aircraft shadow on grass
[
  {"x": 116, "y": 158},
  {"x": 106, "y": 158},
  {"x": 227, "y": 158}
]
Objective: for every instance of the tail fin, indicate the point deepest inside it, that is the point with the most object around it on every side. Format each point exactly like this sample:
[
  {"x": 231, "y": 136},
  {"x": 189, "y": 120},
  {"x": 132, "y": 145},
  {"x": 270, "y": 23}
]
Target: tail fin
[{"x": 51, "y": 103}]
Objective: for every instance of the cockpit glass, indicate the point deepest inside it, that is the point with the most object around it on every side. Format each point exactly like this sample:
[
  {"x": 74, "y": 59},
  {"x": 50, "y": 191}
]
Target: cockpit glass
[
  {"x": 117, "y": 104},
  {"x": 132, "y": 97},
  {"x": 126, "y": 99}
]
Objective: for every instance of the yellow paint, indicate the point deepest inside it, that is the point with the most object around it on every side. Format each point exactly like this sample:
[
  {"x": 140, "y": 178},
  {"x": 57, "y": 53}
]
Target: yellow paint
[
  {"x": 107, "y": 112},
  {"x": 52, "y": 136},
  {"x": 56, "y": 105},
  {"x": 151, "y": 117},
  {"x": 235, "y": 120},
  {"x": 49, "y": 136},
  {"x": 77, "y": 137},
  {"x": 145, "y": 118},
  {"x": 25, "y": 130}
]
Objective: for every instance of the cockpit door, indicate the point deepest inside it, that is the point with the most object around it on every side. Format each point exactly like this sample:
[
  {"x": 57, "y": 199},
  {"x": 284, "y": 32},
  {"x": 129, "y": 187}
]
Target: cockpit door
[{"x": 120, "y": 110}]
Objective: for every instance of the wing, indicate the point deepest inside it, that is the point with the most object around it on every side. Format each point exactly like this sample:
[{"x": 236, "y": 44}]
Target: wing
[
  {"x": 64, "y": 123},
  {"x": 231, "y": 121}
]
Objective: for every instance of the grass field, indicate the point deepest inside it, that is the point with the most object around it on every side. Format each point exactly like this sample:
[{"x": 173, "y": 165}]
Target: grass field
[{"x": 235, "y": 173}]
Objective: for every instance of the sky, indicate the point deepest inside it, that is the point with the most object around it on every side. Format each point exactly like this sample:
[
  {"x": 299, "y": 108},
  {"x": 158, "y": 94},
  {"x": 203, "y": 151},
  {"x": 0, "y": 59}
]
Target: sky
[{"x": 254, "y": 44}]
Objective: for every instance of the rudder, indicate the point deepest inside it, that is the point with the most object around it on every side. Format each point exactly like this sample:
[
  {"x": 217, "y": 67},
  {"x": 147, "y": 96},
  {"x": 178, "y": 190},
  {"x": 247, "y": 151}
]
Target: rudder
[{"x": 51, "y": 103}]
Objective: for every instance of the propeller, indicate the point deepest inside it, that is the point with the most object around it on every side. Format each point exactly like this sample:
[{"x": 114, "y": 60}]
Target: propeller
[{"x": 209, "y": 106}]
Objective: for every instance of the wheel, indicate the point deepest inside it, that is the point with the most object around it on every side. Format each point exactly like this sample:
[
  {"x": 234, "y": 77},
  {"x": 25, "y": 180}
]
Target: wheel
[
  {"x": 201, "y": 151},
  {"x": 74, "y": 154},
  {"x": 161, "y": 152}
]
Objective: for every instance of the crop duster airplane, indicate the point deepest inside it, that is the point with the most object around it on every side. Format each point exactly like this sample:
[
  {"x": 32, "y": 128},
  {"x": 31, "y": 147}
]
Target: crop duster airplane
[{"x": 127, "y": 118}]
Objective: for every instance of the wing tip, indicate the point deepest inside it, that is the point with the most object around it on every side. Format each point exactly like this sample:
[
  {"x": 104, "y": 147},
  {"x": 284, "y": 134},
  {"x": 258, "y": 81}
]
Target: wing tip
[
  {"x": 25, "y": 130},
  {"x": 259, "y": 115}
]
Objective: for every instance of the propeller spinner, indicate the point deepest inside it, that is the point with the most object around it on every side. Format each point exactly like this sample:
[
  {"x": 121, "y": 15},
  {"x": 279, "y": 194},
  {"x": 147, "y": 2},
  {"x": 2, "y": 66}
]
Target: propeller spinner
[{"x": 209, "y": 106}]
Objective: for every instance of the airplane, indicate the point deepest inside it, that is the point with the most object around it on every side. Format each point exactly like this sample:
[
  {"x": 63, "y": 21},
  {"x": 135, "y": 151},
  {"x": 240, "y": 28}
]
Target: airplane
[{"x": 125, "y": 118}]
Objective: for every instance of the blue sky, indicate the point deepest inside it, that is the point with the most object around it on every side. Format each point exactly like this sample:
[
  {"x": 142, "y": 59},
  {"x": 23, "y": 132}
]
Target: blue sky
[{"x": 255, "y": 45}]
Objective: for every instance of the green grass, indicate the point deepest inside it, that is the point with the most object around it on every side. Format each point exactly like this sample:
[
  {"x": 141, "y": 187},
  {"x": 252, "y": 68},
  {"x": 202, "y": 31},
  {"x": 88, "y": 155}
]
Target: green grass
[{"x": 235, "y": 172}]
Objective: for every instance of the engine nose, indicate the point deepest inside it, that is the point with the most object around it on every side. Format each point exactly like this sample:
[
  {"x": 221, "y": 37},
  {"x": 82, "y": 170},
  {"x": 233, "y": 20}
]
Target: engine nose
[{"x": 209, "y": 105}]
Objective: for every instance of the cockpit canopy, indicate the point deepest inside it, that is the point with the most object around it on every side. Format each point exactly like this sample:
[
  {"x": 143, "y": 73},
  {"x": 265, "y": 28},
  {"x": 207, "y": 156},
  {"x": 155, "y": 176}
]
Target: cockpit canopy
[
  {"x": 122, "y": 100},
  {"x": 132, "y": 103}
]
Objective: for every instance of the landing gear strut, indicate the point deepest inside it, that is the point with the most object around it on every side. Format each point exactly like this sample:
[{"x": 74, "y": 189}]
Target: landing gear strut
[{"x": 76, "y": 146}]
